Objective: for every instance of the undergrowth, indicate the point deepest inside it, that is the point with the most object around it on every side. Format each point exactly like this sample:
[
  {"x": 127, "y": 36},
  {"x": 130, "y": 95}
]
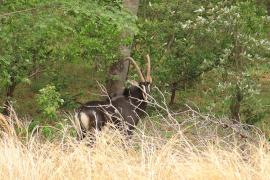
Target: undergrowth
[{"x": 182, "y": 145}]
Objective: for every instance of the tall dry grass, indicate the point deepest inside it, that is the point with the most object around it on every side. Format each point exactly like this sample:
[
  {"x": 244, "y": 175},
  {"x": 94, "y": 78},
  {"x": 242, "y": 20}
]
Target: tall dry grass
[{"x": 193, "y": 147}]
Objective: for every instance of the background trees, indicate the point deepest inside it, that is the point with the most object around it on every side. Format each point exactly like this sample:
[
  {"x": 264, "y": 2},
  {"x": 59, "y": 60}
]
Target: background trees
[
  {"x": 226, "y": 39},
  {"x": 34, "y": 37}
]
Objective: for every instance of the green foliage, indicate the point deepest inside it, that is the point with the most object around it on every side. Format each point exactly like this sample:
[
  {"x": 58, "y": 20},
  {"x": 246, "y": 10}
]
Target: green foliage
[
  {"x": 48, "y": 132},
  {"x": 241, "y": 33},
  {"x": 35, "y": 35},
  {"x": 49, "y": 101},
  {"x": 187, "y": 39},
  {"x": 177, "y": 51}
]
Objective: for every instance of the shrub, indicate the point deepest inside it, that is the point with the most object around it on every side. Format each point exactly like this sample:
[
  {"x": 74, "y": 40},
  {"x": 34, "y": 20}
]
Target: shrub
[{"x": 49, "y": 101}]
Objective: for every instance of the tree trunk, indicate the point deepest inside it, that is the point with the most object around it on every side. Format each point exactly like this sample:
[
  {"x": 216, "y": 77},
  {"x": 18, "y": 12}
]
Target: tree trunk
[
  {"x": 237, "y": 67},
  {"x": 268, "y": 8},
  {"x": 236, "y": 105},
  {"x": 9, "y": 95},
  {"x": 173, "y": 91},
  {"x": 118, "y": 71}
]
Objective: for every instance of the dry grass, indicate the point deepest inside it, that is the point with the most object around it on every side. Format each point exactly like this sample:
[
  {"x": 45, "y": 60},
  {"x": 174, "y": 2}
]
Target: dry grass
[{"x": 198, "y": 154}]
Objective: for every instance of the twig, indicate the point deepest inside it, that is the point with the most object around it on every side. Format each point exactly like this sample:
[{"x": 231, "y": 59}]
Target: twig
[{"x": 37, "y": 71}]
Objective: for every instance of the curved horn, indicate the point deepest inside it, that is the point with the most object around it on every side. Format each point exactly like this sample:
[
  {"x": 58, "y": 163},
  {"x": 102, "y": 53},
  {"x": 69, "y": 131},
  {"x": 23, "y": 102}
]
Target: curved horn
[
  {"x": 148, "y": 70},
  {"x": 137, "y": 68}
]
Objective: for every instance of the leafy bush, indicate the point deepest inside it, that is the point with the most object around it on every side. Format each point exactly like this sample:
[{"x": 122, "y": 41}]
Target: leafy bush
[{"x": 49, "y": 101}]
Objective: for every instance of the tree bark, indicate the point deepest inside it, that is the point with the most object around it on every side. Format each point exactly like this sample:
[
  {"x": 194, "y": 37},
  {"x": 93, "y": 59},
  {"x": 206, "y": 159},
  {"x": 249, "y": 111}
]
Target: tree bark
[
  {"x": 236, "y": 105},
  {"x": 9, "y": 95},
  {"x": 118, "y": 71},
  {"x": 173, "y": 91},
  {"x": 237, "y": 68}
]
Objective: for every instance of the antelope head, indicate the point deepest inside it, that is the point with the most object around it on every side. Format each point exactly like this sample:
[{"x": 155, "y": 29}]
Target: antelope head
[{"x": 145, "y": 81}]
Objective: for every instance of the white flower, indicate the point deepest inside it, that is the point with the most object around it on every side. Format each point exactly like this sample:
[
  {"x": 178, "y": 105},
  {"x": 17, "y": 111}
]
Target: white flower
[
  {"x": 201, "y": 19},
  {"x": 186, "y": 25},
  {"x": 200, "y": 10}
]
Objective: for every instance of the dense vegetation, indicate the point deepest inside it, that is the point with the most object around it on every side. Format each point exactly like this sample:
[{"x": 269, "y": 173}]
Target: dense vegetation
[
  {"x": 211, "y": 55},
  {"x": 208, "y": 113}
]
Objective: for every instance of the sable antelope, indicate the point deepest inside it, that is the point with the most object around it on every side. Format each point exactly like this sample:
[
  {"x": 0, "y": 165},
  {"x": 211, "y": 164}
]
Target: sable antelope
[{"x": 126, "y": 109}]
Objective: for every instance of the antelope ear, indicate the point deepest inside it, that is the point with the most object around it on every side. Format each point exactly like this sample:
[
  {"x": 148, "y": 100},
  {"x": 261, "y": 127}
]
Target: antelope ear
[{"x": 133, "y": 82}]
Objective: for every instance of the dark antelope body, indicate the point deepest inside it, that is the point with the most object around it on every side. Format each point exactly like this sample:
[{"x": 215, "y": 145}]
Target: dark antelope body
[{"x": 124, "y": 110}]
